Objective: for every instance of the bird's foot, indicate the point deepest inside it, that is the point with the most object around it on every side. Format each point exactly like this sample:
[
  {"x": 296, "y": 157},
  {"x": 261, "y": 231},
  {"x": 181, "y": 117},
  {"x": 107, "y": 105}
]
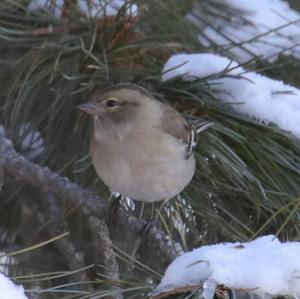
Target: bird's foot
[{"x": 147, "y": 227}]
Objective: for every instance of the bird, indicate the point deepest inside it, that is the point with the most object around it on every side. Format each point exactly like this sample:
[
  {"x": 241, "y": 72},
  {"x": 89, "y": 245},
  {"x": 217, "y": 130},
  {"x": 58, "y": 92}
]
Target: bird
[{"x": 141, "y": 147}]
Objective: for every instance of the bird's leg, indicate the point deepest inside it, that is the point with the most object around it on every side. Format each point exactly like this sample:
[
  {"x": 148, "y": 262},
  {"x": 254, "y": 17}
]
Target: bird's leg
[
  {"x": 154, "y": 220},
  {"x": 113, "y": 195},
  {"x": 148, "y": 224},
  {"x": 114, "y": 202},
  {"x": 142, "y": 234}
]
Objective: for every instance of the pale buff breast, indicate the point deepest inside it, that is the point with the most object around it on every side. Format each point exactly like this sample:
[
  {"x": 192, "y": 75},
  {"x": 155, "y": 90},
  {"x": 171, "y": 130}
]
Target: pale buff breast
[{"x": 138, "y": 171}]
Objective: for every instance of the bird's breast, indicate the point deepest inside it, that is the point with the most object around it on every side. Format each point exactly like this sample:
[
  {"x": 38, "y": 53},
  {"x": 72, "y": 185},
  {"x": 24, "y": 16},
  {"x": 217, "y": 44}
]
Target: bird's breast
[{"x": 147, "y": 165}]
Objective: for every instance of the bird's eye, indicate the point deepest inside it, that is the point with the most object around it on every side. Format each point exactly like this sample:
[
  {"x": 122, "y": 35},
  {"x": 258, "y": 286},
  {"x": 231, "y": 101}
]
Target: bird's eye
[{"x": 111, "y": 103}]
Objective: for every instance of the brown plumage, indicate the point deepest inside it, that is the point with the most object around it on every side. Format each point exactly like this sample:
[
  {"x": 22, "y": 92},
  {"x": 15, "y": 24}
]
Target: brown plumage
[{"x": 141, "y": 147}]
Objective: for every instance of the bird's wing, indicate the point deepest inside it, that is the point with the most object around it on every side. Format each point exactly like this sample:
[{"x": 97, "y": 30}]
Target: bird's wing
[{"x": 174, "y": 124}]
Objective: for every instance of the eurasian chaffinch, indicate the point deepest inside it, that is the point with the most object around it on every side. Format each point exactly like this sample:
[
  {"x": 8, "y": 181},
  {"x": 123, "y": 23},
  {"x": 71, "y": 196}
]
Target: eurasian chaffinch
[{"x": 141, "y": 147}]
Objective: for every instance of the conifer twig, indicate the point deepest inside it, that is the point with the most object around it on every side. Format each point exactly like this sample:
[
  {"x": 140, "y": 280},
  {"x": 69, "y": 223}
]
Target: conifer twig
[
  {"x": 105, "y": 246},
  {"x": 56, "y": 226}
]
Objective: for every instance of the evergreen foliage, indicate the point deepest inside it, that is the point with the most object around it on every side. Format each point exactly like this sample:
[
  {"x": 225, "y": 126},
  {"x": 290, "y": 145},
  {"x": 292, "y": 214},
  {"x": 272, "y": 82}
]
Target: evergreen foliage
[{"x": 247, "y": 179}]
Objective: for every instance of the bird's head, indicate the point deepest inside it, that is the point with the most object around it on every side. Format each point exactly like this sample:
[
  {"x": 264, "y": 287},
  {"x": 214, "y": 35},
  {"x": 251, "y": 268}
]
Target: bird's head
[{"x": 122, "y": 105}]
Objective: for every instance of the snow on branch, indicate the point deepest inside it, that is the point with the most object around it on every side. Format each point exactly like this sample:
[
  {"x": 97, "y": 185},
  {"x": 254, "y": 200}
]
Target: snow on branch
[
  {"x": 255, "y": 95},
  {"x": 261, "y": 267},
  {"x": 262, "y": 28},
  {"x": 9, "y": 290}
]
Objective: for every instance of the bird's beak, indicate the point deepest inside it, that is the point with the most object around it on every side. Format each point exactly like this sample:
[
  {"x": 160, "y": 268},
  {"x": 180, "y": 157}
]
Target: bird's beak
[{"x": 89, "y": 107}]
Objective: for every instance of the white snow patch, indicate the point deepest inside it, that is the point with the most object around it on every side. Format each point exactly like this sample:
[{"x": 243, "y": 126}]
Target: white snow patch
[
  {"x": 194, "y": 66},
  {"x": 93, "y": 8},
  {"x": 9, "y": 290},
  {"x": 255, "y": 95},
  {"x": 264, "y": 266},
  {"x": 260, "y": 17},
  {"x": 5, "y": 261}
]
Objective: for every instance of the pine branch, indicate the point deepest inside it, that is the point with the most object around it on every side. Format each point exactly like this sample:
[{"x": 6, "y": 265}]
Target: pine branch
[
  {"x": 91, "y": 204},
  {"x": 57, "y": 226},
  {"x": 105, "y": 246}
]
